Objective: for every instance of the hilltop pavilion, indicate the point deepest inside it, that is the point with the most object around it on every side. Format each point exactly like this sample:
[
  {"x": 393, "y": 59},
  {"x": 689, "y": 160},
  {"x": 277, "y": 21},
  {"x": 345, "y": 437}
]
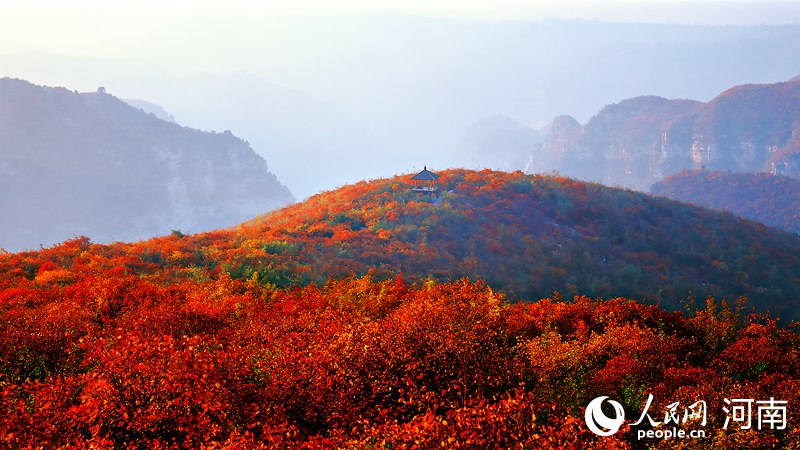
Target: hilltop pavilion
[{"x": 424, "y": 181}]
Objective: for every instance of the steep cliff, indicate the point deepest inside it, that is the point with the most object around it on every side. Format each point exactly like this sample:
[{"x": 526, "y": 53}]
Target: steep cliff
[
  {"x": 90, "y": 164},
  {"x": 636, "y": 142}
]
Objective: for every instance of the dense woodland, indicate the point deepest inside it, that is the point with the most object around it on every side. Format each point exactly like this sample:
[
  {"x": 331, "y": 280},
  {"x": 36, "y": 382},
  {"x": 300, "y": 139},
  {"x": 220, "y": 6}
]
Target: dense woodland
[
  {"x": 770, "y": 199},
  {"x": 345, "y": 321},
  {"x": 120, "y": 360}
]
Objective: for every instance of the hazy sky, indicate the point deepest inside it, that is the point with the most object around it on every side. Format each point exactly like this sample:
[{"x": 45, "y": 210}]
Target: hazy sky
[
  {"x": 681, "y": 11},
  {"x": 144, "y": 28},
  {"x": 185, "y": 36}
]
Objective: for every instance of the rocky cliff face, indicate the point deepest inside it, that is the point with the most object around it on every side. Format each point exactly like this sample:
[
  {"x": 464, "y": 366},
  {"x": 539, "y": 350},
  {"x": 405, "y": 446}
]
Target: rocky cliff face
[
  {"x": 90, "y": 164},
  {"x": 639, "y": 141},
  {"x": 747, "y": 127}
]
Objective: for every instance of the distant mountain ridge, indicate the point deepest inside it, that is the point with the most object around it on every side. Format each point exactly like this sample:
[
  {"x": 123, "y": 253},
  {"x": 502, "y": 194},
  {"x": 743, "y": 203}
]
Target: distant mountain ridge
[
  {"x": 152, "y": 108},
  {"x": 639, "y": 141},
  {"x": 770, "y": 199},
  {"x": 499, "y": 143},
  {"x": 90, "y": 164},
  {"x": 411, "y": 86}
]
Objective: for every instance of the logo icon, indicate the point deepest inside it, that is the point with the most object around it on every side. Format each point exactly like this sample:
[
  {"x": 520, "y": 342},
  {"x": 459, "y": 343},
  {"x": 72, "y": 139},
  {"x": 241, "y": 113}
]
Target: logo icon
[{"x": 598, "y": 422}]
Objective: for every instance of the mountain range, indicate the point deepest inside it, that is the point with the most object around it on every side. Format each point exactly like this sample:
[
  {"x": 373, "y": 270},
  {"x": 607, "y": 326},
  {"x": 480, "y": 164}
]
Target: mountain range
[
  {"x": 638, "y": 141},
  {"x": 409, "y": 87},
  {"x": 91, "y": 164}
]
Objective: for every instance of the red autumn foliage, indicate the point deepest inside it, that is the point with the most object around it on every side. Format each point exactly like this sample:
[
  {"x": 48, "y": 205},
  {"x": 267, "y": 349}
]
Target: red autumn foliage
[
  {"x": 261, "y": 337},
  {"x": 769, "y": 199},
  {"x": 359, "y": 363}
]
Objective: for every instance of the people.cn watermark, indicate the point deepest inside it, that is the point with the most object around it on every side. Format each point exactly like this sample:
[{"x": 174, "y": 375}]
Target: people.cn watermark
[{"x": 685, "y": 422}]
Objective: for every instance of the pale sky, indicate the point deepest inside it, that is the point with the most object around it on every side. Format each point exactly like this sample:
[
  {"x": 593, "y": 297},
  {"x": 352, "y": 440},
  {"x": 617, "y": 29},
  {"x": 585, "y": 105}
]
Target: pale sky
[{"x": 150, "y": 29}]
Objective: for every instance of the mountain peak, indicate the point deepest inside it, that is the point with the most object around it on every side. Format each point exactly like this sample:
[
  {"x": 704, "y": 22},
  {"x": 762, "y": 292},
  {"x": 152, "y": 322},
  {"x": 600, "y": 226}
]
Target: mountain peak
[{"x": 565, "y": 121}]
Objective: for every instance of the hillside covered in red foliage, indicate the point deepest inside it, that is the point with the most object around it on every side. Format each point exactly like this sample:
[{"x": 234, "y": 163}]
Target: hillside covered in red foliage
[
  {"x": 297, "y": 328},
  {"x": 770, "y": 199},
  {"x": 119, "y": 360},
  {"x": 525, "y": 235}
]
